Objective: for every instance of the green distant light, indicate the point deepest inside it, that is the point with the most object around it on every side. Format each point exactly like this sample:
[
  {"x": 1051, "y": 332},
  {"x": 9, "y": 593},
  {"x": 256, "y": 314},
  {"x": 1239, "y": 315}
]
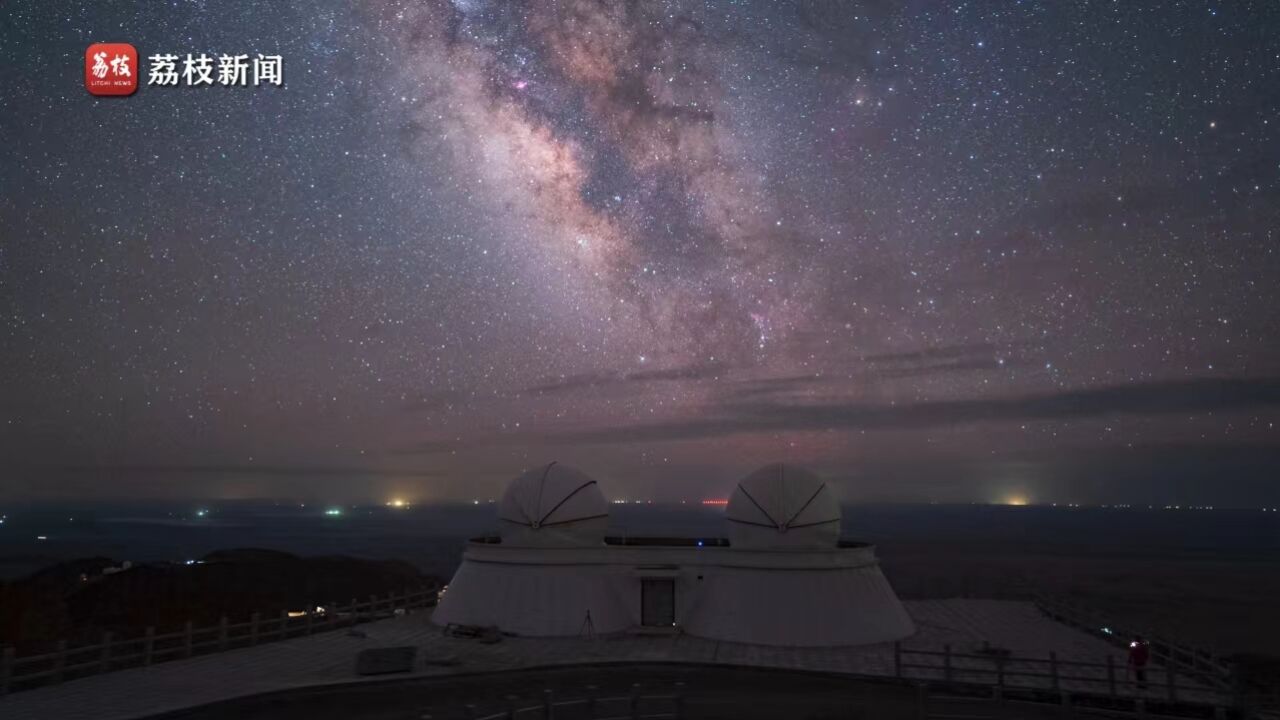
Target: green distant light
[{"x": 333, "y": 511}]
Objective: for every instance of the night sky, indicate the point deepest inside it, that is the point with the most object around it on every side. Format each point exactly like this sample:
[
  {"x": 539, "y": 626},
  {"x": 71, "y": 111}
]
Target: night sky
[{"x": 936, "y": 251}]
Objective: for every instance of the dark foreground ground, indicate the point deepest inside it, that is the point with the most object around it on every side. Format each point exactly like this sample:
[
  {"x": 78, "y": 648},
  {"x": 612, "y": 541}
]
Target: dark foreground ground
[{"x": 707, "y": 693}]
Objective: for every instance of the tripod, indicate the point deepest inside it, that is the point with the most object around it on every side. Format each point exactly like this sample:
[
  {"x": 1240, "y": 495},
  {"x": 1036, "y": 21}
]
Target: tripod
[{"x": 588, "y": 627}]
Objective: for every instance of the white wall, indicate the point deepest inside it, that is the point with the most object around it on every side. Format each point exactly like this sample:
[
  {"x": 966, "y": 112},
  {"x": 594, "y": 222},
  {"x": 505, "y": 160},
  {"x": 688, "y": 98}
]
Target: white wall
[
  {"x": 847, "y": 606},
  {"x": 743, "y": 596},
  {"x": 536, "y": 600}
]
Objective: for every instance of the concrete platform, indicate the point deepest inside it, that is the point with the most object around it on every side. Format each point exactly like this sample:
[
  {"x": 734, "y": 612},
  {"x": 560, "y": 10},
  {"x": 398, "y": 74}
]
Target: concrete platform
[{"x": 329, "y": 658}]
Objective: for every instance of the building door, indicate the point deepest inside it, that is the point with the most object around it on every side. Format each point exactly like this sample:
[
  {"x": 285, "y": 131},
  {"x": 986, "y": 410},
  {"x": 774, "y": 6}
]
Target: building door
[{"x": 657, "y": 602}]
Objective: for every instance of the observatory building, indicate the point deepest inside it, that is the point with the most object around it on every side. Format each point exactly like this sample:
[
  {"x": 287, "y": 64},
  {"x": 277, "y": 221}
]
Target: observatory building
[{"x": 782, "y": 576}]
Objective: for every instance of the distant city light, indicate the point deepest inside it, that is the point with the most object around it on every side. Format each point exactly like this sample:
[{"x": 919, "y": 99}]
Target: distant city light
[
  {"x": 42, "y": 537},
  {"x": 715, "y": 501},
  {"x": 1017, "y": 500},
  {"x": 397, "y": 503},
  {"x": 333, "y": 512}
]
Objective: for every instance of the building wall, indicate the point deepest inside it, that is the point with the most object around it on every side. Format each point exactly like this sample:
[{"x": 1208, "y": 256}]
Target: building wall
[
  {"x": 845, "y": 606},
  {"x": 537, "y": 600},
  {"x": 790, "y": 598}
]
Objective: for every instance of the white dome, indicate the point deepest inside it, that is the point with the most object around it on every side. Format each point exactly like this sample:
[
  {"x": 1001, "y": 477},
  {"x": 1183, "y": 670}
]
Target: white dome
[
  {"x": 782, "y": 506},
  {"x": 553, "y": 505}
]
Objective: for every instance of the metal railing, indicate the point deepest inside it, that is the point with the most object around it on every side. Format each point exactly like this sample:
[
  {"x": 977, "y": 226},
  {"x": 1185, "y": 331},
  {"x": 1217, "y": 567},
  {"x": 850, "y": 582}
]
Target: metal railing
[
  {"x": 1188, "y": 662},
  {"x": 1164, "y": 649},
  {"x": 115, "y": 653},
  {"x": 1055, "y": 677}
]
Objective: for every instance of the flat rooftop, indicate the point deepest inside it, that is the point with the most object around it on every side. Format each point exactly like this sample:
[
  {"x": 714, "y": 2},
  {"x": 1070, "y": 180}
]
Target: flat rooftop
[{"x": 965, "y": 625}]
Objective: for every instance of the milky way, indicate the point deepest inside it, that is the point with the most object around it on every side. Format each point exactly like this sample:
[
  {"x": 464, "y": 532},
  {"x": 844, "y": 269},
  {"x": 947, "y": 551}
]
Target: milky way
[
  {"x": 604, "y": 138},
  {"x": 954, "y": 252}
]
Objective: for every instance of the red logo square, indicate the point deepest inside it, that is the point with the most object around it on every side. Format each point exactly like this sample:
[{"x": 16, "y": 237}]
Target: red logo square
[{"x": 111, "y": 69}]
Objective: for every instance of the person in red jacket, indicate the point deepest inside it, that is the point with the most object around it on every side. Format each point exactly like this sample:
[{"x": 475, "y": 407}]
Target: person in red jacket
[{"x": 1139, "y": 654}]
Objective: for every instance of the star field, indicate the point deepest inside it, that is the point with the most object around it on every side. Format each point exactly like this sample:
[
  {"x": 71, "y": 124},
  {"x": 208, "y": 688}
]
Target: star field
[{"x": 936, "y": 251}]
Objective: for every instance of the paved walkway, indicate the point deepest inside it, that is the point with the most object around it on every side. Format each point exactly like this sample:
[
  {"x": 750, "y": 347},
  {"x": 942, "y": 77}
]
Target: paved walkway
[{"x": 329, "y": 658}]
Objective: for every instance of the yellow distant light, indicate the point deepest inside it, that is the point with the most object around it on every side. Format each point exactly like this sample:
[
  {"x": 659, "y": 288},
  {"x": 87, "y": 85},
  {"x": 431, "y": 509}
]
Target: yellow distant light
[{"x": 397, "y": 503}]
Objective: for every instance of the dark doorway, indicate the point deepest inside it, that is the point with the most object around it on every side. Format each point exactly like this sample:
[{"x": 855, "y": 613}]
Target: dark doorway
[{"x": 657, "y": 602}]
